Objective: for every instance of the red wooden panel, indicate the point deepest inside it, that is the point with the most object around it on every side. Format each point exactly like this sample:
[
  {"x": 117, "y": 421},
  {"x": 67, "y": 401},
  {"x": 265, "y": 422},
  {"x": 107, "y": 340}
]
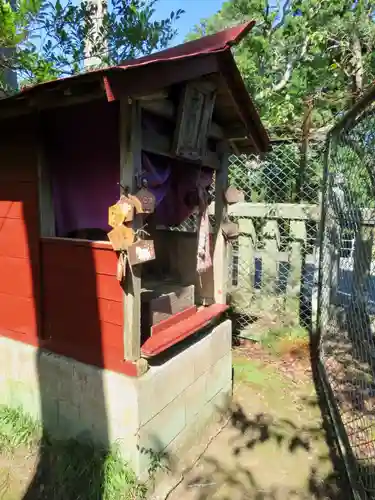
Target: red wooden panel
[
  {"x": 18, "y": 154},
  {"x": 70, "y": 309},
  {"x": 85, "y": 330},
  {"x": 18, "y": 314},
  {"x": 108, "y": 357},
  {"x": 181, "y": 330},
  {"x": 18, "y": 200},
  {"x": 75, "y": 255},
  {"x": 82, "y": 284},
  {"x": 14, "y": 238},
  {"x": 17, "y": 169},
  {"x": 82, "y": 310},
  {"x": 105, "y": 261},
  {"x": 20, "y": 337},
  {"x": 16, "y": 277},
  {"x": 111, "y": 311}
]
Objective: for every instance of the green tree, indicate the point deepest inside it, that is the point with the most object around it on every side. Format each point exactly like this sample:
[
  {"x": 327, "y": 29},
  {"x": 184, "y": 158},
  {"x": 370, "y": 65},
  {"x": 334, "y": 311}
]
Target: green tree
[
  {"x": 299, "y": 51},
  {"x": 44, "y": 40}
]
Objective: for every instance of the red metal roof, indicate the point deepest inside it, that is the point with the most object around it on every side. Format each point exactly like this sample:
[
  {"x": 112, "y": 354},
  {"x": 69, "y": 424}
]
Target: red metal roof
[
  {"x": 210, "y": 44},
  {"x": 218, "y": 44}
]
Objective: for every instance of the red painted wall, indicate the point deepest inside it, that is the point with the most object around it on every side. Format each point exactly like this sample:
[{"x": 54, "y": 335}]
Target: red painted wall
[
  {"x": 62, "y": 295},
  {"x": 82, "y": 305},
  {"x": 19, "y": 233}
]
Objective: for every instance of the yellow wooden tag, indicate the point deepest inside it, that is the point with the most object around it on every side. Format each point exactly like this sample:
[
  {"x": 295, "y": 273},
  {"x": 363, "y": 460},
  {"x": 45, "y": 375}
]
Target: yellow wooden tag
[
  {"x": 121, "y": 212},
  {"x": 116, "y": 215},
  {"x": 121, "y": 237}
]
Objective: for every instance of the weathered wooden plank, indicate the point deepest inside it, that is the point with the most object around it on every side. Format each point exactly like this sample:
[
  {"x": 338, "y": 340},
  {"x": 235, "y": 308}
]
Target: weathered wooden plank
[
  {"x": 130, "y": 165},
  {"x": 220, "y": 259},
  {"x": 298, "y": 237},
  {"x": 246, "y": 253},
  {"x": 273, "y": 211},
  {"x": 46, "y": 206},
  {"x": 193, "y": 120},
  {"x": 156, "y": 143},
  {"x": 166, "y": 108},
  {"x": 269, "y": 260},
  {"x": 171, "y": 303}
]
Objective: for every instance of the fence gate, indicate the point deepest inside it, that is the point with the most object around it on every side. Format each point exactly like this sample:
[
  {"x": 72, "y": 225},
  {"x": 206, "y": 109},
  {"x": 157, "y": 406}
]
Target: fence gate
[{"x": 346, "y": 314}]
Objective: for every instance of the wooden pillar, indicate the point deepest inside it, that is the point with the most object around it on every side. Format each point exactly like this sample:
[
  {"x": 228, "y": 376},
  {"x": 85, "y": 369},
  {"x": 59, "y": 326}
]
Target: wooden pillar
[
  {"x": 131, "y": 165},
  {"x": 220, "y": 261},
  {"x": 46, "y": 207}
]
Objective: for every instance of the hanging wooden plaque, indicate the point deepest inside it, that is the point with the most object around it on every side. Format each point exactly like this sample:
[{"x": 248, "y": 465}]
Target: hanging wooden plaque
[
  {"x": 147, "y": 201},
  {"x": 119, "y": 213},
  {"x": 234, "y": 195},
  {"x": 136, "y": 203},
  {"x": 121, "y": 267},
  {"x": 141, "y": 251},
  {"x": 121, "y": 237},
  {"x": 194, "y": 119},
  {"x": 230, "y": 230}
]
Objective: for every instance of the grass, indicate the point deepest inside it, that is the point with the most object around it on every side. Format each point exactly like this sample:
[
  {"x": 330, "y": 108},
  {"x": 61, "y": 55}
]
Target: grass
[
  {"x": 65, "y": 470},
  {"x": 257, "y": 374},
  {"x": 287, "y": 340},
  {"x": 17, "y": 429}
]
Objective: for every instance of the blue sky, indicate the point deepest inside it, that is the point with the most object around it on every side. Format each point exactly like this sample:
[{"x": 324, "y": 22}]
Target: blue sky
[{"x": 195, "y": 10}]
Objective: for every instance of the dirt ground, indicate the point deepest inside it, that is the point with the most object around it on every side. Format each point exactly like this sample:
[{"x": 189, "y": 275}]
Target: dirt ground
[
  {"x": 270, "y": 445},
  {"x": 274, "y": 445}
]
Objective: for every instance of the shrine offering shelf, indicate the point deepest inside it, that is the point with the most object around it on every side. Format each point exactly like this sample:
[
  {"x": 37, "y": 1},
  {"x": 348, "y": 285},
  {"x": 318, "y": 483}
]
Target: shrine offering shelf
[{"x": 161, "y": 300}]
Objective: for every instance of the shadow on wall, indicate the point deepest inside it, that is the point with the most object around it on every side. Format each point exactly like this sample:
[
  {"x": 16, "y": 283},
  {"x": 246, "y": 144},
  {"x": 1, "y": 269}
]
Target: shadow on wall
[
  {"x": 22, "y": 304},
  {"x": 72, "y": 401}
]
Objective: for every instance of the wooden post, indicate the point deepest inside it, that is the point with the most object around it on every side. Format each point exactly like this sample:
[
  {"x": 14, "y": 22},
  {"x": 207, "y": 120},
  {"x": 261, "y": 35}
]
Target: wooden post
[
  {"x": 306, "y": 126},
  {"x": 220, "y": 261},
  {"x": 131, "y": 164},
  {"x": 46, "y": 208}
]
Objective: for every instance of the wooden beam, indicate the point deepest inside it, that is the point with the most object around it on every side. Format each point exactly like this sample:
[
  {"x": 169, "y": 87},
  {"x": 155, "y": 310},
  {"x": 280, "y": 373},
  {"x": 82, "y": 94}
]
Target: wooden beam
[
  {"x": 46, "y": 207},
  {"x": 149, "y": 78},
  {"x": 166, "y": 109},
  {"x": 220, "y": 260},
  {"x": 291, "y": 211},
  {"x": 53, "y": 99},
  {"x": 130, "y": 165},
  {"x": 156, "y": 143}
]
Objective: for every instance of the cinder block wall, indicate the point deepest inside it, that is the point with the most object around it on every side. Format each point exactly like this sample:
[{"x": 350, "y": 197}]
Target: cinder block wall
[{"x": 163, "y": 410}]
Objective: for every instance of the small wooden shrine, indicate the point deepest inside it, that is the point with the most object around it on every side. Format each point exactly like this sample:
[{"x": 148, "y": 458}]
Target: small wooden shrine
[{"x": 97, "y": 172}]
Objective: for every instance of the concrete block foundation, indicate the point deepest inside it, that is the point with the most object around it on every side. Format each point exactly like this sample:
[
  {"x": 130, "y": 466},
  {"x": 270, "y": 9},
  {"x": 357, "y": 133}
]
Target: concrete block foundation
[{"x": 162, "y": 410}]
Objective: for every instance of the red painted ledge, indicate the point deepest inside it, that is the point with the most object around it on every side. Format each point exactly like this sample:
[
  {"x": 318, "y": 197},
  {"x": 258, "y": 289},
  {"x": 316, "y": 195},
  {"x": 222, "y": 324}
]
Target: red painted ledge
[
  {"x": 181, "y": 330},
  {"x": 173, "y": 320}
]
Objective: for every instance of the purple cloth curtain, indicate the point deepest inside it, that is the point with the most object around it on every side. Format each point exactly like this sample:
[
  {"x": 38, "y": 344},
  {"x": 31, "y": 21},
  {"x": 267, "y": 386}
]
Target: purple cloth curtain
[{"x": 84, "y": 156}]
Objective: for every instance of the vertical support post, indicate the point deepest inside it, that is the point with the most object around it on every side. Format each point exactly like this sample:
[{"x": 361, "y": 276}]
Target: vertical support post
[
  {"x": 220, "y": 260},
  {"x": 362, "y": 264},
  {"x": 46, "y": 208},
  {"x": 131, "y": 164}
]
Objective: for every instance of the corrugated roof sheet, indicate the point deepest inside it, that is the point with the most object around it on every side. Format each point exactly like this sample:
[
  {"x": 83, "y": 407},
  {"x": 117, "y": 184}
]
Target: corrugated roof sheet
[{"x": 217, "y": 42}]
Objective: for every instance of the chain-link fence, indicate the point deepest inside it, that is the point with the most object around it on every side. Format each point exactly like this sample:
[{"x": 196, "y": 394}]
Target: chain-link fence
[
  {"x": 273, "y": 273},
  {"x": 272, "y": 280},
  {"x": 346, "y": 316}
]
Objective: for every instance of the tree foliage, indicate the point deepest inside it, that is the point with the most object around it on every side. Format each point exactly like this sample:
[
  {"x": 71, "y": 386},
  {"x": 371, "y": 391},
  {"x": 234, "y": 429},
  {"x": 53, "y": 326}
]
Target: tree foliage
[
  {"x": 44, "y": 40},
  {"x": 320, "y": 51}
]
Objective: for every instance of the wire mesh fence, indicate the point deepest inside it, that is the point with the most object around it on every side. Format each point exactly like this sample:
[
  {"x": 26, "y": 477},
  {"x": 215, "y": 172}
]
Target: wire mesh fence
[
  {"x": 272, "y": 278},
  {"x": 273, "y": 275},
  {"x": 347, "y": 294}
]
